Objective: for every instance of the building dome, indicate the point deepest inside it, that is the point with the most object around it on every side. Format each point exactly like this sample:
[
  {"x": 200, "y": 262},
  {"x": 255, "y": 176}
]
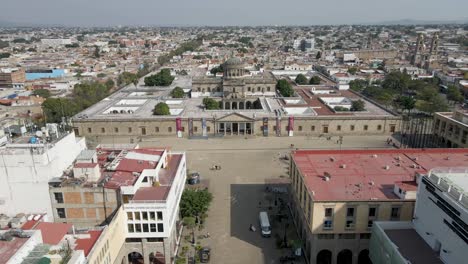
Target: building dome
[{"x": 234, "y": 61}]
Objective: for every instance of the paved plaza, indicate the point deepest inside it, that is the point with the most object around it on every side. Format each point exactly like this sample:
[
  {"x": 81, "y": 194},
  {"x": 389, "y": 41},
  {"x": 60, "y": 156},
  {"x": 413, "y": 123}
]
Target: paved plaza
[{"x": 239, "y": 187}]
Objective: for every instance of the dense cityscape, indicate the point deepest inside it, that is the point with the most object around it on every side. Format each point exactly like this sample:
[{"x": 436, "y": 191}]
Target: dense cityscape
[{"x": 332, "y": 144}]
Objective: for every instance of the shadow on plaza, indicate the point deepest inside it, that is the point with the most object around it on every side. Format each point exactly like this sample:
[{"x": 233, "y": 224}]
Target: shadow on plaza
[{"x": 247, "y": 201}]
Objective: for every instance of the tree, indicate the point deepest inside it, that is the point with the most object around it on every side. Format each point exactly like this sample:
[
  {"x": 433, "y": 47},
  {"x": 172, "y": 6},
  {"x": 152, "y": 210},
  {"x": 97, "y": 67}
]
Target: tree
[
  {"x": 162, "y": 78},
  {"x": 126, "y": 78},
  {"x": 4, "y": 55},
  {"x": 210, "y": 103},
  {"x": 4, "y": 44},
  {"x": 44, "y": 93},
  {"x": 437, "y": 104},
  {"x": 301, "y": 79},
  {"x": 56, "y": 108},
  {"x": 319, "y": 55},
  {"x": 96, "y": 52},
  {"x": 396, "y": 81},
  {"x": 194, "y": 203},
  {"x": 454, "y": 94},
  {"x": 101, "y": 75},
  {"x": 190, "y": 223},
  {"x": 285, "y": 88},
  {"x": 109, "y": 84},
  {"x": 177, "y": 92},
  {"x": 352, "y": 70},
  {"x": 161, "y": 109},
  {"x": 406, "y": 103},
  {"x": 315, "y": 80},
  {"x": 358, "y": 105},
  {"x": 358, "y": 85},
  {"x": 217, "y": 69}
]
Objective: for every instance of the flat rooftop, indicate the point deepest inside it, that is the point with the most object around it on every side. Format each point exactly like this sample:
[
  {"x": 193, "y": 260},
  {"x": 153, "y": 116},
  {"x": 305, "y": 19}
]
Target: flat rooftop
[
  {"x": 357, "y": 175},
  {"x": 412, "y": 247}
]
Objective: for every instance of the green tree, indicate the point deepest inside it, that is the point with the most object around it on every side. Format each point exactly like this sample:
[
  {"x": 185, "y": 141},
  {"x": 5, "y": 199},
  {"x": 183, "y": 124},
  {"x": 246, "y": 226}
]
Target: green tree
[
  {"x": 285, "y": 88},
  {"x": 194, "y": 203},
  {"x": 352, "y": 70},
  {"x": 454, "y": 94},
  {"x": 358, "y": 85},
  {"x": 319, "y": 55},
  {"x": 315, "y": 80},
  {"x": 301, "y": 79},
  {"x": 177, "y": 92},
  {"x": 109, "y": 84},
  {"x": 161, "y": 109},
  {"x": 162, "y": 78},
  {"x": 4, "y": 55},
  {"x": 190, "y": 222},
  {"x": 101, "y": 75},
  {"x": 210, "y": 103},
  {"x": 44, "y": 93},
  {"x": 217, "y": 69},
  {"x": 56, "y": 108},
  {"x": 126, "y": 78},
  {"x": 406, "y": 103},
  {"x": 4, "y": 44},
  {"x": 396, "y": 81},
  {"x": 436, "y": 104},
  {"x": 358, "y": 105}
]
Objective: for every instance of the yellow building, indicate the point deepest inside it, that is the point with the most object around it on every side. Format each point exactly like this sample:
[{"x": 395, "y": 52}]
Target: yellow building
[{"x": 337, "y": 195}]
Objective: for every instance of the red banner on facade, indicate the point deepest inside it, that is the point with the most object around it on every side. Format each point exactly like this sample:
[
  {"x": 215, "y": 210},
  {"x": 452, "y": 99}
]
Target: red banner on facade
[
  {"x": 178, "y": 124},
  {"x": 291, "y": 123}
]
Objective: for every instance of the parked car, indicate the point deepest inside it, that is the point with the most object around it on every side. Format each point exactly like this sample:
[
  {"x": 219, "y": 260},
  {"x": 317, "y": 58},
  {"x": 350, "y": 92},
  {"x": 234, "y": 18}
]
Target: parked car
[
  {"x": 205, "y": 255},
  {"x": 194, "y": 178}
]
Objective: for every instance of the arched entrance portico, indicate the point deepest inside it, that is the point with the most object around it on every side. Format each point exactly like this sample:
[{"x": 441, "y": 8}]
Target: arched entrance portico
[
  {"x": 324, "y": 257},
  {"x": 345, "y": 257},
  {"x": 135, "y": 258},
  {"x": 363, "y": 257}
]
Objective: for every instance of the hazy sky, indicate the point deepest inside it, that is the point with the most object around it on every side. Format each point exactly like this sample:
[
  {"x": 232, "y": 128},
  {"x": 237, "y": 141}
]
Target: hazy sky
[{"x": 224, "y": 12}]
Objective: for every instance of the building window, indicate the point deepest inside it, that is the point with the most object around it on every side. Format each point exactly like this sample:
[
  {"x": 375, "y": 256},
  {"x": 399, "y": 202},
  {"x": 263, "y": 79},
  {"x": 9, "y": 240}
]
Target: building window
[
  {"x": 160, "y": 227},
  {"x": 372, "y": 211},
  {"x": 325, "y": 129},
  {"x": 144, "y": 215},
  {"x": 131, "y": 228},
  {"x": 169, "y": 129},
  {"x": 328, "y": 224},
  {"x": 379, "y": 127},
  {"x": 208, "y": 129},
  {"x": 137, "y": 216},
  {"x": 195, "y": 129},
  {"x": 338, "y": 128},
  {"x": 116, "y": 129},
  {"x": 58, "y": 197},
  {"x": 300, "y": 128},
  {"x": 328, "y": 212},
  {"x": 395, "y": 213},
  {"x": 350, "y": 223},
  {"x": 351, "y": 128},
  {"x": 350, "y": 212},
  {"x": 90, "y": 130},
  {"x": 156, "y": 129},
  {"x": 152, "y": 216},
  {"x": 145, "y": 228},
  {"x": 370, "y": 223},
  {"x": 153, "y": 228},
  {"x": 103, "y": 130},
  {"x": 138, "y": 228},
  {"x": 129, "y": 130},
  {"x": 61, "y": 213},
  {"x": 312, "y": 128},
  {"x": 143, "y": 130},
  {"x": 326, "y": 236},
  {"x": 366, "y": 127},
  {"x": 129, "y": 215},
  {"x": 160, "y": 216},
  {"x": 365, "y": 236},
  {"x": 268, "y": 88}
]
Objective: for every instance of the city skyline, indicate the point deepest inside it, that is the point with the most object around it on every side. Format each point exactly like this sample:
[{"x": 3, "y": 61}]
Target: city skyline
[{"x": 239, "y": 13}]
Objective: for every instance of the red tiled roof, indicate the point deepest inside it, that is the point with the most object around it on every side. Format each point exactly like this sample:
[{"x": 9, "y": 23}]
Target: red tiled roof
[
  {"x": 120, "y": 178},
  {"x": 131, "y": 165},
  {"x": 86, "y": 244},
  {"x": 53, "y": 233},
  {"x": 85, "y": 165},
  {"x": 365, "y": 175}
]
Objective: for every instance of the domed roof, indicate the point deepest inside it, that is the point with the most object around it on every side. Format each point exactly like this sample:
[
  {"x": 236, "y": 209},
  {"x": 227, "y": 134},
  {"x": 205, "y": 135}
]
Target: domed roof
[{"x": 233, "y": 61}]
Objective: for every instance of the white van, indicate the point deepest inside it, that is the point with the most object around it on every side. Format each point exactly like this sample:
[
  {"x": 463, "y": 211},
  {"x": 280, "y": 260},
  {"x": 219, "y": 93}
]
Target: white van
[{"x": 265, "y": 224}]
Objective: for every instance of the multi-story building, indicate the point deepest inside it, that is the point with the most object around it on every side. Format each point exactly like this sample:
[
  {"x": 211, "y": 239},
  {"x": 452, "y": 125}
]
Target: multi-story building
[
  {"x": 337, "y": 195},
  {"x": 12, "y": 78},
  {"x": 451, "y": 129},
  {"x": 438, "y": 232},
  {"x": 28, "y": 163},
  {"x": 55, "y": 42},
  {"x": 146, "y": 184}
]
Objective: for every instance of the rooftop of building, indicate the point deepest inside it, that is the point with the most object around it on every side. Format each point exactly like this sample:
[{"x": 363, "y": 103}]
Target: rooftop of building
[{"x": 361, "y": 175}]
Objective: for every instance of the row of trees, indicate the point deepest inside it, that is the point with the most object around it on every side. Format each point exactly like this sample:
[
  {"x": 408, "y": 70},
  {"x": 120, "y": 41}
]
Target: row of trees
[
  {"x": 84, "y": 95},
  {"x": 402, "y": 93},
  {"x": 301, "y": 79},
  {"x": 162, "y": 78},
  {"x": 194, "y": 205}
]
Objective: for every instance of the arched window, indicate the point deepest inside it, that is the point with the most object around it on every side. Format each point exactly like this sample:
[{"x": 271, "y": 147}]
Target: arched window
[{"x": 324, "y": 257}]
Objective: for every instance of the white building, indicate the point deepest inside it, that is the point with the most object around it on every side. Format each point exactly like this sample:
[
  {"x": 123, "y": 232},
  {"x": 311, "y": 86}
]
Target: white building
[
  {"x": 26, "y": 168},
  {"x": 439, "y": 230},
  {"x": 55, "y": 42}
]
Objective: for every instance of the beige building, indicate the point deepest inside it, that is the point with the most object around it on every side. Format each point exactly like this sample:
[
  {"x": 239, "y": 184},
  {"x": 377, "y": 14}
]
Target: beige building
[
  {"x": 12, "y": 78},
  {"x": 337, "y": 196},
  {"x": 451, "y": 129}
]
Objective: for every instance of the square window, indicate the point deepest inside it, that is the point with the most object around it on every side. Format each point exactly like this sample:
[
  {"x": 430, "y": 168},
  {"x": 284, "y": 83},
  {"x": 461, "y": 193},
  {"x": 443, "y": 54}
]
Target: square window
[
  {"x": 395, "y": 213},
  {"x": 169, "y": 129},
  {"x": 144, "y": 215},
  {"x": 328, "y": 212},
  {"x": 160, "y": 216},
  {"x": 370, "y": 223},
  {"x": 195, "y": 129},
  {"x": 350, "y": 212},
  {"x": 156, "y": 129},
  {"x": 143, "y": 130},
  {"x": 129, "y": 215},
  {"x": 327, "y": 224},
  {"x": 349, "y": 223},
  {"x": 351, "y": 127},
  {"x": 312, "y": 128},
  {"x": 300, "y": 128},
  {"x": 116, "y": 129},
  {"x": 90, "y": 130},
  {"x": 325, "y": 129},
  {"x": 58, "y": 197},
  {"x": 145, "y": 228},
  {"x": 103, "y": 130},
  {"x": 129, "y": 130},
  {"x": 372, "y": 211},
  {"x": 61, "y": 213},
  {"x": 392, "y": 128},
  {"x": 152, "y": 216},
  {"x": 366, "y": 127},
  {"x": 131, "y": 228},
  {"x": 153, "y": 228},
  {"x": 208, "y": 129},
  {"x": 160, "y": 227},
  {"x": 338, "y": 128},
  {"x": 379, "y": 127},
  {"x": 137, "y": 228},
  {"x": 137, "y": 216}
]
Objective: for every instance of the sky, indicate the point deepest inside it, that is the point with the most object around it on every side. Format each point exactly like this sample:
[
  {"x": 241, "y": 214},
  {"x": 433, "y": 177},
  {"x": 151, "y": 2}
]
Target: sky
[{"x": 226, "y": 13}]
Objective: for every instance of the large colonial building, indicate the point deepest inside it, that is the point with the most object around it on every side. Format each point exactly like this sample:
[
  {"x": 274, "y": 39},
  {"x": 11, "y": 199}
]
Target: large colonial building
[
  {"x": 338, "y": 195},
  {"x": 451, "y": 129},
  {"x": 248, "y": 105}
]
